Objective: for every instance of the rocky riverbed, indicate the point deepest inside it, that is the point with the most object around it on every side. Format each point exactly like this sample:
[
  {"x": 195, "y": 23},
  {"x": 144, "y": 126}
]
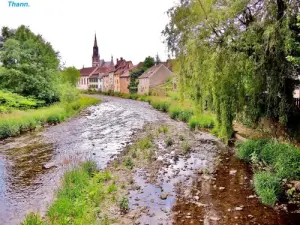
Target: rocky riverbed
[{"x": 184, "y": 178}]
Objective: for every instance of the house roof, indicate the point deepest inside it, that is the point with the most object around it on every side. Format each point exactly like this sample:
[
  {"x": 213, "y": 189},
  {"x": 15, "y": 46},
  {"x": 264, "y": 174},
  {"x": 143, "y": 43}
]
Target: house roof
[
  {"x": 151, "y": 71},
  {"x": 87, "y": 71}
]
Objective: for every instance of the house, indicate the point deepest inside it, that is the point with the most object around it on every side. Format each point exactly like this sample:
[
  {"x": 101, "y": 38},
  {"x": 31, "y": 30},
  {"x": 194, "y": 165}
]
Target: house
[
  {"x": 93, "y": 77},
  {"x": 122, "y": 75},
  {"x": 153, "y": 77}
]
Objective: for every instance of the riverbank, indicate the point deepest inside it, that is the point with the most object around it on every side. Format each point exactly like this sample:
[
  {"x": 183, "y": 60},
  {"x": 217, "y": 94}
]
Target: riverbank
[
  {"x": 17, "y": 122},
  {"x": 270, "y": 189},
  {"x": 168, "y": 175}
]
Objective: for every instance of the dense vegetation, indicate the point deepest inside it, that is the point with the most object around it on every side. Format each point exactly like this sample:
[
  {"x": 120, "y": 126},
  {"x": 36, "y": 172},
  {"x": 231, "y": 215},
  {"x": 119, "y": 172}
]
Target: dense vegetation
[
  {"x": 272, "y": 162},
  {"x": 238, "y": 57},
  {"x": 34, "y": 88}
]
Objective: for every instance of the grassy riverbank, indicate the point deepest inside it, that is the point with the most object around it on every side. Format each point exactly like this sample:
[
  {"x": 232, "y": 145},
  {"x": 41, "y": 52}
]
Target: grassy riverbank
[
  {"x": 78, "y": 201},
  {"x": 17, "y": 122},
  {"x": 275, "y": 165}
]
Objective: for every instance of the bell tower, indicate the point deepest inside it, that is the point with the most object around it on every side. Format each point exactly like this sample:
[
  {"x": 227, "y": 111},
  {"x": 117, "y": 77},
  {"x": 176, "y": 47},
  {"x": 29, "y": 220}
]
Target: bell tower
[{"x": 96, "y": 56}]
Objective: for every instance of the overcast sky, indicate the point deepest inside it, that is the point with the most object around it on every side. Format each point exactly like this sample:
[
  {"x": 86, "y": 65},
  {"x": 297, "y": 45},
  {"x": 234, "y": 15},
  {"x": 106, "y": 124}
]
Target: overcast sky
[{"x": 125, "y": 28}]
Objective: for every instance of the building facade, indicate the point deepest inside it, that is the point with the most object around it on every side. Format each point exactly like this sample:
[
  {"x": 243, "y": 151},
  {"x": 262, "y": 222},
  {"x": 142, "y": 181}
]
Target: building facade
[
  {"x": 93, "y": 77},
  {"x": 153, "y": 77}
]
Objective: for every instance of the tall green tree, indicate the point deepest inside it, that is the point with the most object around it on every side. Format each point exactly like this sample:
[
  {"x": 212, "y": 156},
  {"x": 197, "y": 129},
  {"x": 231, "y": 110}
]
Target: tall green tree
[
  {"x": 234, "y": 54},
  {"x": 31, "y": 65}
]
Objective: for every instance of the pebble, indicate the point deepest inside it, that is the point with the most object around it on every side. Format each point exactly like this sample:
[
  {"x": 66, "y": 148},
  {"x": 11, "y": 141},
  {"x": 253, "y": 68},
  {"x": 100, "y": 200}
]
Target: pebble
[
  {"x": 238, "y": 208},
  {"x": 214, "y": 218},
  {"x": 232, "y": 172},
  {"x": 163, "y": 196},
  {"x": 196, "y": 198},
  {"x": 221, "y": 188}
]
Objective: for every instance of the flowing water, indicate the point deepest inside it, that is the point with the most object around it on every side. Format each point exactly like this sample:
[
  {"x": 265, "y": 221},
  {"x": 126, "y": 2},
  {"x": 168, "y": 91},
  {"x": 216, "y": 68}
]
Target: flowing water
[{"x": 31, "y": 165}]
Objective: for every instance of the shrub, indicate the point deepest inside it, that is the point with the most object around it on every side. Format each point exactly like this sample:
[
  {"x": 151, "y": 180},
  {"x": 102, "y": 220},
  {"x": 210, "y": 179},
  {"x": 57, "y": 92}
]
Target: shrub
[
  {"x": 128, "y": 163},
  {"x": 124, "y": 204},
  {"x": 287, "y": 165},
  {"x": 185, "y": 115},
  {"x": 112, "y": 188},
  {"x": 246, "y": 149},
  {"x": 267, "y": 186}
]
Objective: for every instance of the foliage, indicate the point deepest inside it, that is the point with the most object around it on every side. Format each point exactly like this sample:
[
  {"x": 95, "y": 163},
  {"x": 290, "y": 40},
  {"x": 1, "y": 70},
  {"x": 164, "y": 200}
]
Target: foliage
[
  {"x": 236, "y": 57},
  {"x": 124, "y": 204},
  {"x": 283, "y": 160},
  {"x": 11, "y": 101},
  {"x": 12, "y": 124},
  {"x": 70, "y": 75},
  {"x": 31, "y": 65},
  {"x": 268, "y": 187},
  {"x": 128, "y": 163}
]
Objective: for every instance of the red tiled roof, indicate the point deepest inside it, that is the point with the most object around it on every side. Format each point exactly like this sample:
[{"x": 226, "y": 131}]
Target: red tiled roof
[{"x": 87, "y": 71}]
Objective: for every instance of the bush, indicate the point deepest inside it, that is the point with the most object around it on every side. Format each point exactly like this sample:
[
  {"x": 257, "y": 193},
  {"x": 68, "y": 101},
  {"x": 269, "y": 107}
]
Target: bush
[
  {"x": 11, "y": 101},
  {"x": 246, "y": 149},
  {"x": 267, "y": 186},
  {"x": 128, "y": 163},
  {"x": 124, "y": 204},
  {"x": 287, "y": 165}
]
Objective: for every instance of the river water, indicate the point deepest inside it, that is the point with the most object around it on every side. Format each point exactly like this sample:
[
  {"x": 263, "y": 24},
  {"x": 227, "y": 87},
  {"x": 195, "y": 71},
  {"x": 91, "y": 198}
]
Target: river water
[
  {"x": 98, "y": 134},
  {"x": 31, "y": 167}
]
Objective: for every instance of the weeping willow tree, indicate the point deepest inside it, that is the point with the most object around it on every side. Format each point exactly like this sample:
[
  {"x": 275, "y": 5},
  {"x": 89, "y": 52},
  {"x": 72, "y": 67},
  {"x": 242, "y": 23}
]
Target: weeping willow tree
[{"x": 234, "y": 55}]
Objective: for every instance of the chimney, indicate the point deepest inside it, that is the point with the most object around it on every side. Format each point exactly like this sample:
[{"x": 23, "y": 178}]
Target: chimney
[
  {"x": 117, "y": 60},
  {"x": 121, "y": 58}
]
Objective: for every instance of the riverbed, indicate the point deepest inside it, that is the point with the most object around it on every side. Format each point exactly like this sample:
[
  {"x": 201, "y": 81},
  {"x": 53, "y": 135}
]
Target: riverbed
[{"x": 31, "y": 167}]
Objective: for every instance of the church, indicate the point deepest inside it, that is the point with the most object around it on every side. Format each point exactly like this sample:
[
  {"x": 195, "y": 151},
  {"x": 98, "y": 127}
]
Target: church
[{"x": 92, "y": 77}]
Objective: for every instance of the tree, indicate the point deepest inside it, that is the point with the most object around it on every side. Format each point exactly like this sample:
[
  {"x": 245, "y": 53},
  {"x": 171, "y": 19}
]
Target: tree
[
  {"x": 149, "y": 62},
  {"x": 70, "y": 75},
  {"x": 237, "y": 56},
  {"x": 31, "y": 65},
  {"x": 137, "y": 72}
]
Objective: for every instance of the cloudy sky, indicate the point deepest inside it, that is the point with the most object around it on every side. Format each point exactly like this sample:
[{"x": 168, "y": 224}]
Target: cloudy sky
[{"x": 125, "y": 28}]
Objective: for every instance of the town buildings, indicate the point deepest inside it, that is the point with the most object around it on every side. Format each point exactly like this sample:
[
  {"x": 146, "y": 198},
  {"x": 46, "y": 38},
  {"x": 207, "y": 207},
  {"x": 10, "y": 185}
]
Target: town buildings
[
  {"x": 153, "y": 77},
  {"x": 106, "y": 76}
]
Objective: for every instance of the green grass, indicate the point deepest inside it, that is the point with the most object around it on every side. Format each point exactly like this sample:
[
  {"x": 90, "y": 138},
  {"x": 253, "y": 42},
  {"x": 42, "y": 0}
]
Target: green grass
[
  {"x": 268, "y": 187},
  {"x": 33, "y": 219},
  {"x": 283, "y": 160},
  {"x": 163, "y": 129},
  {"x": 205, "y": 120},
  {"x": 79, "y": 199},
  {"x": 17, "y": 122},
  {"x": 128, "y": 163}
]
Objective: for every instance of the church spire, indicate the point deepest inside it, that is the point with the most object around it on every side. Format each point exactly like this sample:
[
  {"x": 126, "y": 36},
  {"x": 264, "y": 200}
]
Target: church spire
[
  {"x": 96, "y": 56},
  {"x": 95, "y": 41}
]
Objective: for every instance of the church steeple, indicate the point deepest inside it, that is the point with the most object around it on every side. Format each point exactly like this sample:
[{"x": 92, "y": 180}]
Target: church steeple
[
  {"x": 96, "y": 56},
  {"x": 95, "y": 41}
]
